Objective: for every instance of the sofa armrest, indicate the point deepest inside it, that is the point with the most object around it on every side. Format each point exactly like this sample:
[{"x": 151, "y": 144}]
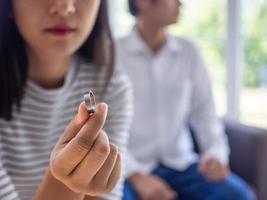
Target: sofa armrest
[{"x": 249, "y": 154}]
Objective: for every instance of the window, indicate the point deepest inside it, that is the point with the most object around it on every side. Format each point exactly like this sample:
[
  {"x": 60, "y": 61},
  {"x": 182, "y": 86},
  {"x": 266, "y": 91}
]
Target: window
[
  {"x": 253, "y": 105},
  {"x": 204, "y": 23},
  {"x": 122, "y": 20}
]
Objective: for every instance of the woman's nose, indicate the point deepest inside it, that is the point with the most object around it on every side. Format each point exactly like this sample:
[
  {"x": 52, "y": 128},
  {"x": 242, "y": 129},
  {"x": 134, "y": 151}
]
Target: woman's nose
[{"x": 62, "y": 8}]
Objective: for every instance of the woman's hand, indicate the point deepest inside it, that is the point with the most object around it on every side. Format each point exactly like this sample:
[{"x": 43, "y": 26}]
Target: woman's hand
[{"x": 83, "y": 159}]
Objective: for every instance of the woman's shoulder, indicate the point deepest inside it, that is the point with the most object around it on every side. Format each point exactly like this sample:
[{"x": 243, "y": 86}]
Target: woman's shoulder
[
  {"x": 119, "y": 90},
  {"x": 119, "y": 84},
  {"x": 119, "y": 77},
  {"x": 115, "y": 85}
]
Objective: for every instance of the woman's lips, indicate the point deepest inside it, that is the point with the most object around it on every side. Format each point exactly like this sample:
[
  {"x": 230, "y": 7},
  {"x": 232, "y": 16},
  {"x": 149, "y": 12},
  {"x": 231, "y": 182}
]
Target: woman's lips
[{"x": 60, "y": 31}]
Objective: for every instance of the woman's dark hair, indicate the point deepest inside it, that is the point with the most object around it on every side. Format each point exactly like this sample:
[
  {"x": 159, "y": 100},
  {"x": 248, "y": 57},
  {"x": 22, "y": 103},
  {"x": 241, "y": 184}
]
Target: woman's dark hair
[{"x": 98, "y": 50}]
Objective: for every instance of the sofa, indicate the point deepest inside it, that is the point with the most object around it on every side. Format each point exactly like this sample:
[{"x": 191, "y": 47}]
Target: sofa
[{"x": 248, "y": 156}]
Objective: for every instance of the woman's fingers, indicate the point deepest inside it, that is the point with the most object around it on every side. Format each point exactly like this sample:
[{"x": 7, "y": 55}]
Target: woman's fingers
[
  {"x": 99, "y": 171},
  {"x": 83, "y": 159},
  {"x": 75, "y": 125},
  {"x": 115, "y": 174},
  {"x": 93, "y": 161},
  {"x": 68, "y": 156},
  {"x": 83, "y": 120},
  {"x": 102, "y": 177},
  {"x": 87, "y": 135}
]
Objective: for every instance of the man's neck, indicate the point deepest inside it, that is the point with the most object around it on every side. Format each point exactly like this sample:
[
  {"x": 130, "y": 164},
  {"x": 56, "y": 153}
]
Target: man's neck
[{"x": 154, "y": 37}]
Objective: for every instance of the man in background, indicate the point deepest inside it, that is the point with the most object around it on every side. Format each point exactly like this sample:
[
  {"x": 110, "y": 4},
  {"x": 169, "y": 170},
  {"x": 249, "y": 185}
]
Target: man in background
[{"x": 172, "y": 93}]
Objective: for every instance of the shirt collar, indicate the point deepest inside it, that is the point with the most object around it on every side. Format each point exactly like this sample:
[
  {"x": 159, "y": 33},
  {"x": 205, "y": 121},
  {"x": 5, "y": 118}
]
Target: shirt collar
[{"x": 137, "y": 44}]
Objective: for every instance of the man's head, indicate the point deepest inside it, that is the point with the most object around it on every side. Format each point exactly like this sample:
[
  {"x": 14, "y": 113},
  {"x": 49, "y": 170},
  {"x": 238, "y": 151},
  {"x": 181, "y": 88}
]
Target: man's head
[{"x": 161, "y": 12}]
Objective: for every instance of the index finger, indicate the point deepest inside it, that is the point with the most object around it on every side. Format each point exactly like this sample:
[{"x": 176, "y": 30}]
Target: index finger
[
  {"x": 75, "y": 125},
  {"x": 88, "y": 133},
  {"x": 80, "y": 145}
]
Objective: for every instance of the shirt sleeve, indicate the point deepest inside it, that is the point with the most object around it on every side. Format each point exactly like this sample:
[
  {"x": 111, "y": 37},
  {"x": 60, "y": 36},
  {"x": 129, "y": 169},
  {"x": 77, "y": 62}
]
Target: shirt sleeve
[
  {"x": 133, "y": 165},
  {"x": 208, "y": 128},
  {"x": 120, "y": 100},
  {"x": 7, "y": 188}
]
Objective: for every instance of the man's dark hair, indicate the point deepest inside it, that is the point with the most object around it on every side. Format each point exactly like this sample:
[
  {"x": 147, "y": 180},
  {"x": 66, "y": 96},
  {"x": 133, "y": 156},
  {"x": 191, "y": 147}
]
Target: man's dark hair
[
  {"x": 98, "y": 49},
  {"x": 133, "y": 8}
]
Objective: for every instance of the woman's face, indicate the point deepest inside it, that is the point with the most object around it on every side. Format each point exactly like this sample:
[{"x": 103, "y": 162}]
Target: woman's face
[{"x": 55, "y": 27}]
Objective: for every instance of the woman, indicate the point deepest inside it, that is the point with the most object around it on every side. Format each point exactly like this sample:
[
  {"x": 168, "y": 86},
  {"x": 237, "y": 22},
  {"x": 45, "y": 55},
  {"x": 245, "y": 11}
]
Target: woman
[{"x": 51, "y": 52}]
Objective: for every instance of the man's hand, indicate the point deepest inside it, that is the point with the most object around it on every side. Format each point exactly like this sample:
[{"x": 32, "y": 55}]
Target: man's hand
[
  {"x": 213, "y": 169},
  {"x": 83, "y": 159},
  {"x": 149, "y": 187}
]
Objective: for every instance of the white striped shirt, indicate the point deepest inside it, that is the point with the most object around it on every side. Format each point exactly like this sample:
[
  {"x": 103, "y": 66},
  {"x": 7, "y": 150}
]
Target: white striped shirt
[{"x": 28, "y": 139}]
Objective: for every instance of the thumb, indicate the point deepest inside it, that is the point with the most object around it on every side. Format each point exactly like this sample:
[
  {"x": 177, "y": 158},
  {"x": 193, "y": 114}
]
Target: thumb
[{"x": 82, "y": 115}]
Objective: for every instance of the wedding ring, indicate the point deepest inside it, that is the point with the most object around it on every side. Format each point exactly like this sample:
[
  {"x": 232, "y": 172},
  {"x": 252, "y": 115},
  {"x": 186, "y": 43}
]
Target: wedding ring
[{"x": 89, "y": 99}]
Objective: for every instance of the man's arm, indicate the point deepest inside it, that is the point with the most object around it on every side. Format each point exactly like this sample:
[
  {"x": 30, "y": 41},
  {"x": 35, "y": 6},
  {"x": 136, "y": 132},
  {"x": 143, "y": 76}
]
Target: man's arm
[{"x": 209, "y": 130}]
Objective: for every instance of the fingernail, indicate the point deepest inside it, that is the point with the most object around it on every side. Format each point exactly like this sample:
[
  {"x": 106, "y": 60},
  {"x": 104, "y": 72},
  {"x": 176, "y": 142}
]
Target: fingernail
[
  {"x": 103, "y": 107},
  {"x": 82, "y": 112}
]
